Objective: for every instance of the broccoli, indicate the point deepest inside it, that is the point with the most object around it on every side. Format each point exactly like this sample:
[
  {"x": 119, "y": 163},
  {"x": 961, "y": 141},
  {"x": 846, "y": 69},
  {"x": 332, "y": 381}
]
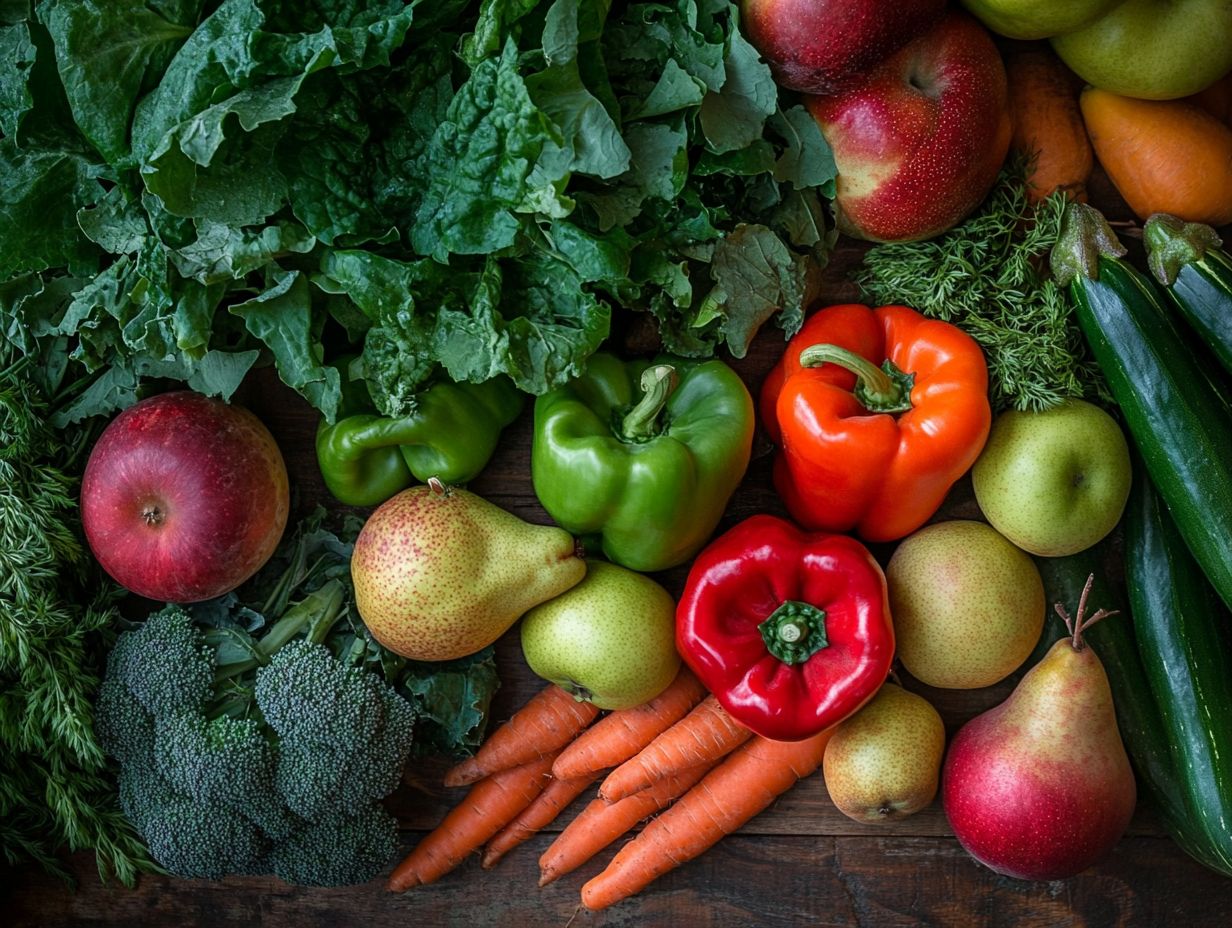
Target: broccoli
[{"x": 286, "y": 780}]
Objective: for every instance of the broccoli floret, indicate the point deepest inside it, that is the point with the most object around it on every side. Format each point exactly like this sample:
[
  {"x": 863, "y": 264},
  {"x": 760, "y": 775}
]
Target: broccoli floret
[
  {"x": 344, "y": 736},
  {"x": 204, "y": 840},
  {"x": 226, "y": 761},
  {"x": 125, "y": 730},
  {"x": 165, "y": 664},
  {"x": 338, "y": 850}
]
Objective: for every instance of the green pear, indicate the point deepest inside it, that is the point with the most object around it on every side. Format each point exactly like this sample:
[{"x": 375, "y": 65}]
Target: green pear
[
  {"x": 1037, "y": 19},
  {"x": 610, "y": 640},
  {"x": 883, "y": 763},
  {"x": 968, "y": 606},
  {"x": 441, "y": 573}
]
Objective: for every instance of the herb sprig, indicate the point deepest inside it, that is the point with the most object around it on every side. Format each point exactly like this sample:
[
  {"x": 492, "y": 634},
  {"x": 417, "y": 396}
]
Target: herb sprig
[{"x": 990, "y": 276}]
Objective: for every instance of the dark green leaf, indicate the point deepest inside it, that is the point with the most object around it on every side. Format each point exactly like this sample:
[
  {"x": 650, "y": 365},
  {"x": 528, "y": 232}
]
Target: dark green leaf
[{"x": 735, "y": 116}]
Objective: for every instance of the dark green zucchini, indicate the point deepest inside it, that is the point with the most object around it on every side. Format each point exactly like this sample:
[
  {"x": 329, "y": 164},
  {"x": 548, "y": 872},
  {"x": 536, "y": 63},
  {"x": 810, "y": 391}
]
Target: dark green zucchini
[
  {"x": 1142, "y": 729},
  {"x": 1184, "y": 636},
  {"x": 1177, "y": 415},
  {"x": 1186, "y": 259}
]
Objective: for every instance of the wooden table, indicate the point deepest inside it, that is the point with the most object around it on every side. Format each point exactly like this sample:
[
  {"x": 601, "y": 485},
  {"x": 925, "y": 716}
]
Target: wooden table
[{"x": 799, "y": 863}]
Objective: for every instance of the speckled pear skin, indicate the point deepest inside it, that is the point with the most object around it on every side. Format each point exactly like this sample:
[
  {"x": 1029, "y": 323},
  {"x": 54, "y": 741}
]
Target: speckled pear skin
[
  {"x": 968, "y": 606},
  {"x": 884, "y": 762},
  {"x": 610, "y": 640},
  {"x": 441, "y": 573}
]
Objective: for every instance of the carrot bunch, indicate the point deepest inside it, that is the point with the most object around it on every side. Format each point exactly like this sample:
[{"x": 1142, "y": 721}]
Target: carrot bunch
[{"x": 679, "y": 755}]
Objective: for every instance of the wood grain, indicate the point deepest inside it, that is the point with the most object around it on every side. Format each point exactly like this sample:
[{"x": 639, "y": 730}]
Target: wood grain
[{"x": 800, "y": 862}]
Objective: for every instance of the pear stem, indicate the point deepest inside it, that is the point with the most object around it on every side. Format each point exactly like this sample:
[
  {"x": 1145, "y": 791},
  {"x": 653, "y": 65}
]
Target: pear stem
[{"x": 1081, "y": 622}]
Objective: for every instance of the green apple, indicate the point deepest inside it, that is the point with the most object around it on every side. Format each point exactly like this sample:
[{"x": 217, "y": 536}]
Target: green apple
[
  {"x": 1153, "y": 49},
  {"x": 968, "y": 606},
  {"x": 1031, "y": 19},
  {"x": 1054, "y": 482},
  {"x": 610, "y": 640}
]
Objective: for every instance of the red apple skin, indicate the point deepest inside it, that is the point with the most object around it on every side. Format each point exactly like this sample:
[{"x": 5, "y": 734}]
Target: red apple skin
[
  {"x": 826, "y": 46},
  {"x": 919, "y": 145},
  {"x": 184, "y": 497},
  {"x": 1046, "y": 813}
]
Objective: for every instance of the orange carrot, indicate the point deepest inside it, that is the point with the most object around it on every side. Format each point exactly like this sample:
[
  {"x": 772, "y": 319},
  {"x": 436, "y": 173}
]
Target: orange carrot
[
  {"x": 705, "y": 734},
  {"x": 1043, "y": 100},
  {"x": 601, "y": 823},
  {"x": 613, "y": 740},
  {"x": 488, "y": 807},
  {"x": 535, "y": 817},
  {"x": 1163, "y": 156},
  {"x": 543, "y": 726},
  {"x": 730, "y": 795}
]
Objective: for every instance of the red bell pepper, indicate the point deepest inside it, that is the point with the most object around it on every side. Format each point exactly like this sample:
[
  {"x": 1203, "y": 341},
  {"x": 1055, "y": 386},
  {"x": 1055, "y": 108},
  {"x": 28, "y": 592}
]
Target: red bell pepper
[
  {"x": 877, "y": 413},
  {"x": 790, "y": 630}
]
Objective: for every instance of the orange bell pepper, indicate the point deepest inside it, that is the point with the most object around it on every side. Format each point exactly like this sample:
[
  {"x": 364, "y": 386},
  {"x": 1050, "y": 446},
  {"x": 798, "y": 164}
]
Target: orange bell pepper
[{"x": 877, "y": 413}]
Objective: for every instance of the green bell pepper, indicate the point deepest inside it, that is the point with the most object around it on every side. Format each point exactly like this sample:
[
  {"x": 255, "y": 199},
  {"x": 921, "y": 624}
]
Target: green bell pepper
[
  {"x": 366, "y": 458},
  {"x": 649, "y": 477}
]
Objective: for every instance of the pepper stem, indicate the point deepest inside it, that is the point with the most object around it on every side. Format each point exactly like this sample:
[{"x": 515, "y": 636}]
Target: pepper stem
[
  {"x": 794, "y": 632},
  {"x": 658, "y": 382},
  {"x": 879, "y": 389}
]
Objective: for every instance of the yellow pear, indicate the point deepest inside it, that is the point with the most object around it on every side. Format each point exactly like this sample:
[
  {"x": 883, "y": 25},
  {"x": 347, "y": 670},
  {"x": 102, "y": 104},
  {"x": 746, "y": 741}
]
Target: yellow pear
[
  {"x": 441, "y": 573},
  {"x": 883, "y": 762}
]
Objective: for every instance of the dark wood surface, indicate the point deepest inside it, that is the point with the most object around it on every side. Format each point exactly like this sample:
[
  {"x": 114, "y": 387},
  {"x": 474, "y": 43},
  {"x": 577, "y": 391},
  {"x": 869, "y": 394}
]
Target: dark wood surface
[{"x": 799, "y": 863}]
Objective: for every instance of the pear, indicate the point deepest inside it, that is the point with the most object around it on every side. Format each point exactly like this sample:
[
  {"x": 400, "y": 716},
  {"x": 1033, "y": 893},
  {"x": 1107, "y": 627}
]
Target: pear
[
  {"x": 883, "y": 762},
  {"x": 1040, "y": 787},
  {"x": 610, "y": 640},
  {"x": 968, "y": 606},
  {"x": 440, "y": 573}
]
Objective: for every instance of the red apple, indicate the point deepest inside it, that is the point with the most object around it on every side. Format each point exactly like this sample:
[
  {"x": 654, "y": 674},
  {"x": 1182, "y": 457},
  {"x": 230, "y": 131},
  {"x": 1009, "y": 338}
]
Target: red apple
[
  {"x": 919, "y": 145},
  {"x": 825, "y": 46},
  {"x": 184, "y": 497}
]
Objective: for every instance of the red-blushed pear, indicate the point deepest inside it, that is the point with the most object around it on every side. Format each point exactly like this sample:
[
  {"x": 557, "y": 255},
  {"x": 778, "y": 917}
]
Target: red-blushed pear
[
  {"x": 184, "y": 497},
  {"x": 825, "y": 46},
  {"x": 1040, "y": 787},
  {"x": 919, "y": 145}
]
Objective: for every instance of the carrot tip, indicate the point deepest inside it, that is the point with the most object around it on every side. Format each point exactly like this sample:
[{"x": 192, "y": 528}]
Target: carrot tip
[{"x": 546, "y": 877}]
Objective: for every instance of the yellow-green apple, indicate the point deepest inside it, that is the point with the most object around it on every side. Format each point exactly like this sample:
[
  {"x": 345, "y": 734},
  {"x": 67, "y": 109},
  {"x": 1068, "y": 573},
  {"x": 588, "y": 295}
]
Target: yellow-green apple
[
  {"x": 1153, "y": 49},
  {"x": 184, "y": 497},
  {"x": 824, "y": 46},
  {"x": 919, "y": 144},
  {"x": 1033, "y": 19},
  {"x": 1054, "y": 482}
]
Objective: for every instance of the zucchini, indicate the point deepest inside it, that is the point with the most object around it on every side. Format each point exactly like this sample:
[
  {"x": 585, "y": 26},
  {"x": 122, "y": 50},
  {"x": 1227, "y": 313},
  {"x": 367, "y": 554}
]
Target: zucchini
[
  {"x": 1178, "y": 417},
  {"x": 1184, "y": 638},
  {"x": 1186, "y": 259}
]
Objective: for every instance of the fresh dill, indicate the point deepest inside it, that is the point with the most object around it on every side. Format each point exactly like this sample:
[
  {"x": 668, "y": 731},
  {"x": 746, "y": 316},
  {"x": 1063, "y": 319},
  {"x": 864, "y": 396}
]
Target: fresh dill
[
  {"x": 989, "y": 276},
  {"x": 56, "y": 622}
]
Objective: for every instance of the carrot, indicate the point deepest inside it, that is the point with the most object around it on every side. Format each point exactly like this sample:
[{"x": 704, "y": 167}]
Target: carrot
[
  {"x": 488, "y": 807},
  {"x": 730, "y": 795},
  {"x": 616, "y": 738},
  {"x": 544, "y": 725},
  {"x": 535, "y": 817},
  {"x": 1043, "y": 100},
  {"x": 705, "y": 734},
  {"x": 601, "y": 823},
  {"x": 1164, "y": 156}
]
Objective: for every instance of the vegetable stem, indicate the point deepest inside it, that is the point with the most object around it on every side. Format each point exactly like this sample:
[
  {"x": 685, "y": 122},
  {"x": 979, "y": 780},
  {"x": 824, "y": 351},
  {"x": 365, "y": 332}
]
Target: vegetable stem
[
  {"x": 641, "y": 422},
  {"x": 879, "y": 389}
]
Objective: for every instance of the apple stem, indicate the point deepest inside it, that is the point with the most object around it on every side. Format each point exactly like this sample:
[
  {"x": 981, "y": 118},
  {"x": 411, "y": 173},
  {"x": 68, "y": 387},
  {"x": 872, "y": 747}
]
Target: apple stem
[
  {"x": 879, "y": 389},
  {"x": 1078, "y": 624},
  {"x": 658, "y": 382}
]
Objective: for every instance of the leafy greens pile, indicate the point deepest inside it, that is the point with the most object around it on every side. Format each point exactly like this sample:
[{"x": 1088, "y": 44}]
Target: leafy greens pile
[{"x": 190, "y": 188}]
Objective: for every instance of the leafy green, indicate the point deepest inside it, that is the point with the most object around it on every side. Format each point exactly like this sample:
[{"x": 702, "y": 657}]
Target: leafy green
[
  {"x": 989, "y": 275},
  {"x": 467, "y": 189}
]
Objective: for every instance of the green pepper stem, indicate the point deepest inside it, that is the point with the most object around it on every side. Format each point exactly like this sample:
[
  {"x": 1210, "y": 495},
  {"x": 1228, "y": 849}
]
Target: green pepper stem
[
  {"x": 794, "y": 632},
  {"x": 1172, "y": 243},
  {"x": 658, "y": 382},
  {"x": 879, "y": 389}
]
